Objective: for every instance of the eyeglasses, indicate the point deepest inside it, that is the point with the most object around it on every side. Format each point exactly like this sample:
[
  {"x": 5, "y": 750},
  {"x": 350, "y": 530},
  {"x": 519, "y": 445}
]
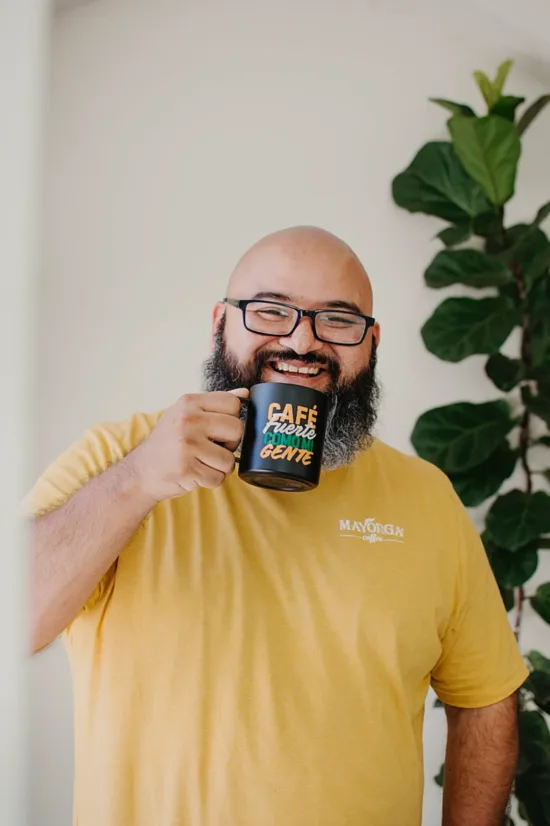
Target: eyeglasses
[{"x": 273, "y": 318}]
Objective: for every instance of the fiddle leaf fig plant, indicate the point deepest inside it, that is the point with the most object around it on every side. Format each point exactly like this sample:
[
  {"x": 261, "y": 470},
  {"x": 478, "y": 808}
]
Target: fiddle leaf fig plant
[{"x": 467, "y": 181}]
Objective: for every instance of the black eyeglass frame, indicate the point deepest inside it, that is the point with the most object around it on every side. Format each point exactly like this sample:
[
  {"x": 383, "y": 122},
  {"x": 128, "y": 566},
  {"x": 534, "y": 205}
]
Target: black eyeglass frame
[{"x": 242, "y": 304}]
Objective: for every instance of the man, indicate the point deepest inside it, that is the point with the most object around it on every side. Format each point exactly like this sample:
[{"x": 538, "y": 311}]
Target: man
[{"x": 242, "y": 657}]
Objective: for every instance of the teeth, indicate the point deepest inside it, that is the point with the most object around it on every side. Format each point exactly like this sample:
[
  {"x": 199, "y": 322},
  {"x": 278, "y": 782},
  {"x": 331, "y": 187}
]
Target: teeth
[{"x": 283, "y": 367}]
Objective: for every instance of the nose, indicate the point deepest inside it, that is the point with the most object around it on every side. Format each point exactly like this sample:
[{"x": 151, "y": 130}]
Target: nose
[{"x": 302, "y": 340}]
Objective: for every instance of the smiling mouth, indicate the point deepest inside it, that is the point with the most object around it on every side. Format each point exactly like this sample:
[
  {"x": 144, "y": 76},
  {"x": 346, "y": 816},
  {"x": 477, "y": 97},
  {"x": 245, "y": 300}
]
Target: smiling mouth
[{"x": 286, "y": 367}]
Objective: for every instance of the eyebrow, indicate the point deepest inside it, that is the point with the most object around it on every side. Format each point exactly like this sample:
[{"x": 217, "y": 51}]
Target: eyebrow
[{"x": 334, "y": 305}]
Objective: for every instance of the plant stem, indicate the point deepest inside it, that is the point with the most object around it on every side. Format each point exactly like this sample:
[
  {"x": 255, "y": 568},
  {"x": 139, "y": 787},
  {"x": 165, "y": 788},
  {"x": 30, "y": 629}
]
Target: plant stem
[
  {"x": 527, "y": 361},
  {"x": 524, "y": 428},
  {"x": 524, "y": 447},
  {"x": 519, "y": 612}
]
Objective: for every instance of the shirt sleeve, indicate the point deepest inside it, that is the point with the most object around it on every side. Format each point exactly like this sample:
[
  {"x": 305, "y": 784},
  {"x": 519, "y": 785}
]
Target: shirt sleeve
[
  {"x": 480, "y": 662},
  {"x": 98, "y": 449}
]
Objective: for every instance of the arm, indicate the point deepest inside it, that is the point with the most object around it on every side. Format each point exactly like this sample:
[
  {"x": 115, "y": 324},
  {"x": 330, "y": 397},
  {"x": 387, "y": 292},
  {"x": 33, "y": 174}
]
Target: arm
[
  {"x": 75, "y": 544},
  {"x": 480, "y": 764},
  {"x": 477, "y": 677}
]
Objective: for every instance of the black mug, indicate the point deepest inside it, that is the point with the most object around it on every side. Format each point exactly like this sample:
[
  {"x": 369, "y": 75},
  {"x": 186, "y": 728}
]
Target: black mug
[{"x": 284, "y": 434}]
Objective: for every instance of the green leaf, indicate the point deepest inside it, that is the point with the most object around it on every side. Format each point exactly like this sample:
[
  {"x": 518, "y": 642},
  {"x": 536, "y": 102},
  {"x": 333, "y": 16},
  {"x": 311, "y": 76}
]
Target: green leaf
[
  {"x": 534, "y": 738},
  {"x": 522, "y": 812},
  {"x": 539, "y": 661},
  {"x": 542, "y": 214},
  {"x": 523, "y": 766},
  {"x": 500, "y": 79},
  {"x": 523, "y": 243},
  {"x": 457, "y": 437},
  {"x": 540, "y": 602},
  {"x": 484, "y": 480},
  {"x": 451, "y": 236},
  {"x": 469, "y": 267},
  {"x": 455, "y": 108},
  {"x": 540, "y": 342},
  {"x": 485, "y": 87},
  {"x": 517, "y": 518},
  {"x": 539, "y": 404},
  {"x": 489, "y": 149},
  {"x": 537, "y": 266},
  {"x": 440, "y": 777},
  {"x": 527, "y": 250},
  {"x": 544, "y": 441},
  {"x": 511, "y": 569},
  {"x": 538, "y": 683},
  {"x": 504, "y": 372},
  {"x": 539, "y": 308},
  {"x": 508, "y": 597},
  {"x": 488, "y": 224},
  {"x": 533, "y": 791},
  {"x": 435, "y": 183},
  {"x": 511, "y": 292},
  {"x": 462, "y": 327},
  {"x": 531, "y": 113},
  {"x": 506, "y": 107}
]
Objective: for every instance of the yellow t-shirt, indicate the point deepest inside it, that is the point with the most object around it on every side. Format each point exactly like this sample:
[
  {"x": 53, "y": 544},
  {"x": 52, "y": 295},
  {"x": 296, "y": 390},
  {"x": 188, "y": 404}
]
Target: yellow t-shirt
[{"x": 259, "y": 658}]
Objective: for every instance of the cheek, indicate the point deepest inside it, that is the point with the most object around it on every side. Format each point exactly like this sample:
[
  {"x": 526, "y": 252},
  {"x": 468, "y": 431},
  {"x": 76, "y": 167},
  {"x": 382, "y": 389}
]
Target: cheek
[
  {"x": 353, "y": 360},
  {"x": 243, "y": 344}
]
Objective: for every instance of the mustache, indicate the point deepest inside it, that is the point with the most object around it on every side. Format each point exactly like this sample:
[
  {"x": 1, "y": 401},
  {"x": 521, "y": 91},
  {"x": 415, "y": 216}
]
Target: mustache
[
  {"x": 308, "y": 358},
  {"x": 265, "y": 356}
]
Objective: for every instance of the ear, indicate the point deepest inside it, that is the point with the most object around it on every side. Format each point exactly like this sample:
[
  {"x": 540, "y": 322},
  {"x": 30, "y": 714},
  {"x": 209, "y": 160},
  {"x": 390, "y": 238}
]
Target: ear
[
  {"x": 376, "y": 333},
  {"x": 217, "y": 315}
]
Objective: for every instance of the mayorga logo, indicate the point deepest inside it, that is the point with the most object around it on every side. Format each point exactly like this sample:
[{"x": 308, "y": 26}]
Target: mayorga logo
[{"x": 369, "y": 530}]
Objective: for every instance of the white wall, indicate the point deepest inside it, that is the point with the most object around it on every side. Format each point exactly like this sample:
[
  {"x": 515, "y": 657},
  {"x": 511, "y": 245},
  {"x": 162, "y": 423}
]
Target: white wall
[
  {"x": 23, "y": 34},
  {"x": 181, "y": 132}
]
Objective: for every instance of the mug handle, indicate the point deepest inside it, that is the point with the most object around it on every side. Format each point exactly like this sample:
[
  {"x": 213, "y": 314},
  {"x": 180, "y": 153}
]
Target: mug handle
[{"x": 244, "y": 406}]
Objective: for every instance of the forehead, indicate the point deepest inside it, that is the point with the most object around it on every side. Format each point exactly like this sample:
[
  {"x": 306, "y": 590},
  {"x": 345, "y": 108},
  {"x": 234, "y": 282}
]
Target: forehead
[{"x": 307, "y": 274}]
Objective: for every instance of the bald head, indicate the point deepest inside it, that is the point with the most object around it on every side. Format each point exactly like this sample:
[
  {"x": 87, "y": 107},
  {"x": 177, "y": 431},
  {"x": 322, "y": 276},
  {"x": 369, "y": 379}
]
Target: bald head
[{"x": 307, "y": 265}]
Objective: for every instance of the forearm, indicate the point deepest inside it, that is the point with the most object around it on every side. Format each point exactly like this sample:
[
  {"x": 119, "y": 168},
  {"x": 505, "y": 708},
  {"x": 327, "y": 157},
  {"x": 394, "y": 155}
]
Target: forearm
[
  {"x": 481, "y": 759},
  {"x": 74, "y": 546}
]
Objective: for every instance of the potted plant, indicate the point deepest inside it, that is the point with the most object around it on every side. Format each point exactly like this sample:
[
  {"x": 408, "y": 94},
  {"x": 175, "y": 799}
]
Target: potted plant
[{"x": 467, "y": 181}]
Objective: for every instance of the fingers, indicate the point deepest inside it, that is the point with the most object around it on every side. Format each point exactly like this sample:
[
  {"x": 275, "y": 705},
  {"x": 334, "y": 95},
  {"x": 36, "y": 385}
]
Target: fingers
[
  {"x": 216, "y": 457},
  {"x": 227, "y": 430},
  {"x": 205, "y": 476}
]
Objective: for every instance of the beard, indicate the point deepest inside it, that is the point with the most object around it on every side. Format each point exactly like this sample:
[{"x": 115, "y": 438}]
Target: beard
[{"x": 353, "y": 403}]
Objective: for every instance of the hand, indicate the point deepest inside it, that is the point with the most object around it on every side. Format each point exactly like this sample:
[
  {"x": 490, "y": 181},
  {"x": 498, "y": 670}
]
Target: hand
[{"x": 192, "y": 445}]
